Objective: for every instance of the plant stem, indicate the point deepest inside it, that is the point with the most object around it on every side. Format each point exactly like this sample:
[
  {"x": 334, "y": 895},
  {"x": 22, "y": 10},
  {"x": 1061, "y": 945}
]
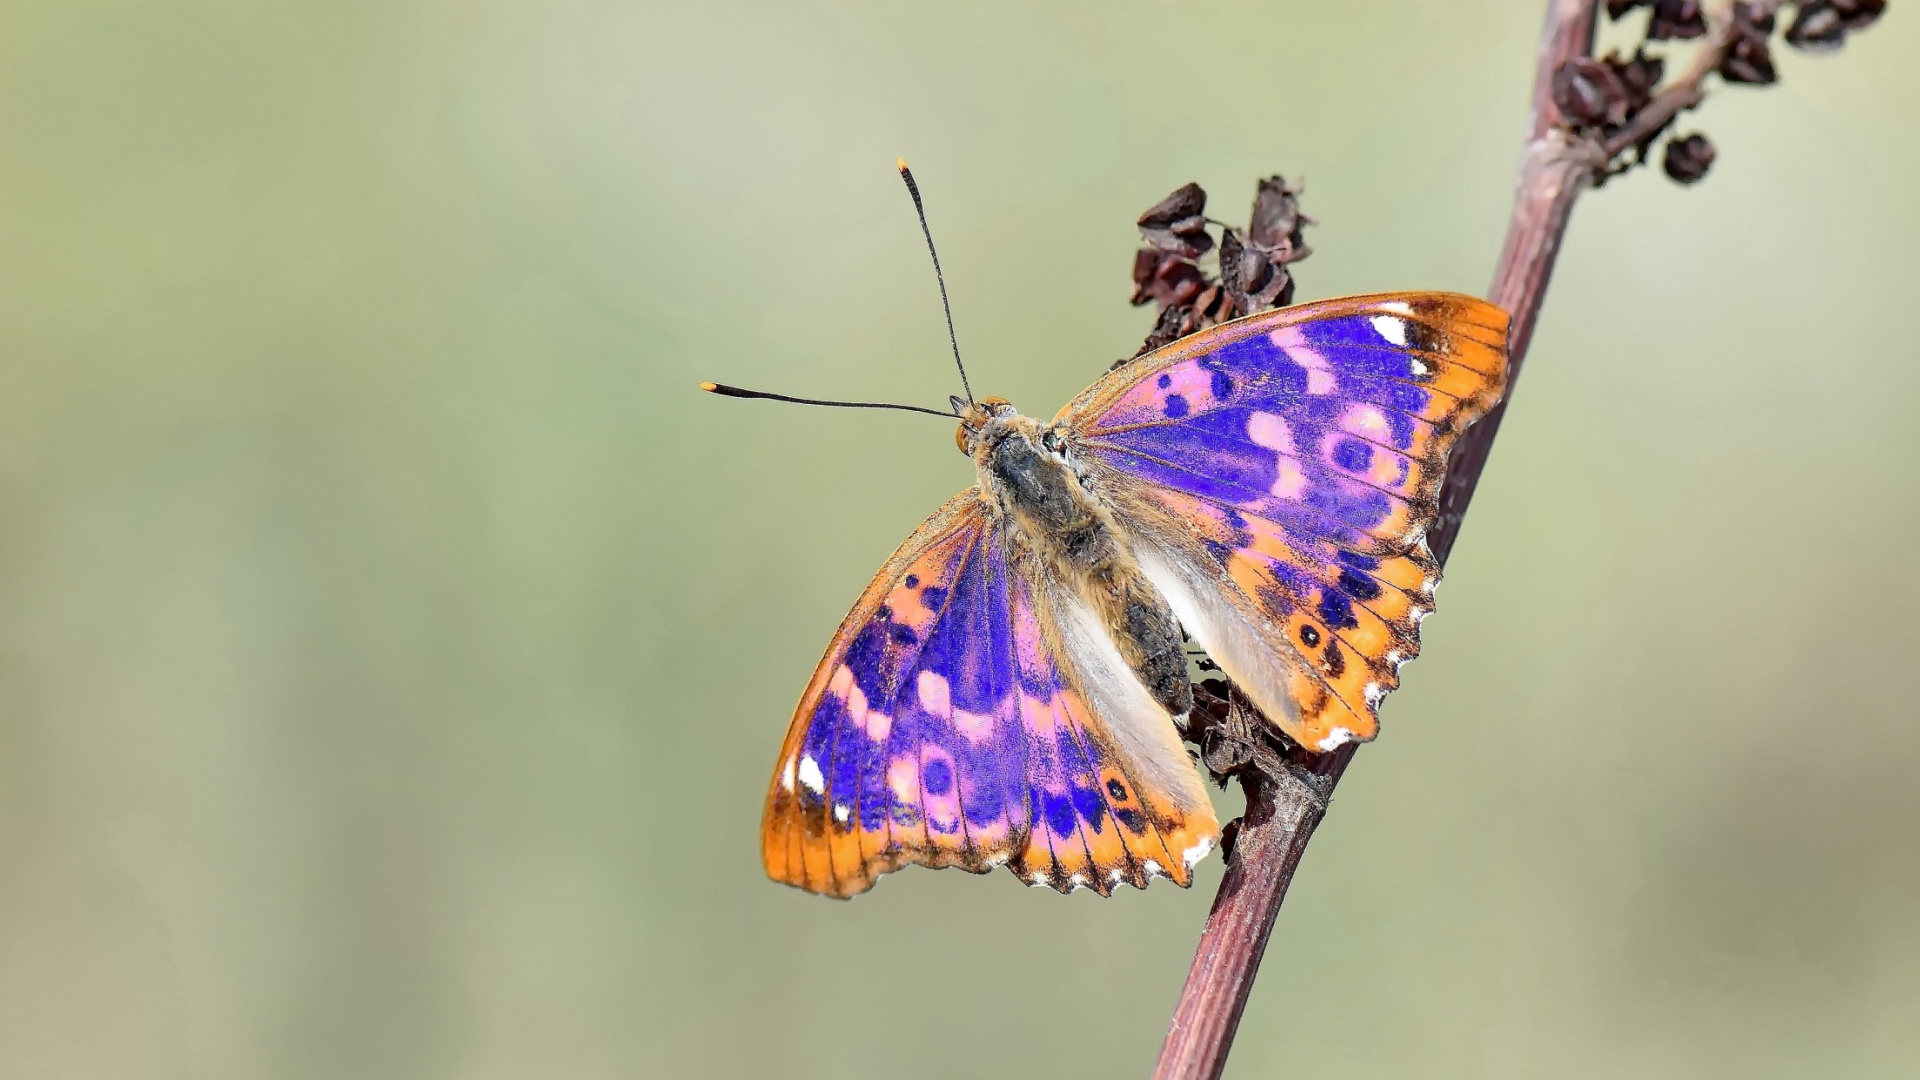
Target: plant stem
[{"x": 1282, "y": 811}]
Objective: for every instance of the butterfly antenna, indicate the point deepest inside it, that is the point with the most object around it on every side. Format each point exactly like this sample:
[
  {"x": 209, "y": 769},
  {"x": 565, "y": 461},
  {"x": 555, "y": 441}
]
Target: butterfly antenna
[
  {"x": 914, "y": 190},
  {"x": 733, "y": 391}
]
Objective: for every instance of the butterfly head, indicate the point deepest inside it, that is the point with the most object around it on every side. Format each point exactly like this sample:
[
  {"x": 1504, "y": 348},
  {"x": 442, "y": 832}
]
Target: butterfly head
[
  {"x": 976, "y": 416},
  {"x": 1026, "y": 466}
]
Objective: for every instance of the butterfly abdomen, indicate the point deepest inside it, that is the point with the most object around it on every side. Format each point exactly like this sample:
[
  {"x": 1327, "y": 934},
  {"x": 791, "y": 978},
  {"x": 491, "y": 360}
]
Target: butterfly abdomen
[
  {"x": 1067, "y": 527},
  {"x": 1149, "y": 637}
]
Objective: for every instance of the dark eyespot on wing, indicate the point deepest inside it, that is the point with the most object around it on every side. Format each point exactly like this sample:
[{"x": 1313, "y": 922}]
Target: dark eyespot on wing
[{"x": 1334, "y": 660}]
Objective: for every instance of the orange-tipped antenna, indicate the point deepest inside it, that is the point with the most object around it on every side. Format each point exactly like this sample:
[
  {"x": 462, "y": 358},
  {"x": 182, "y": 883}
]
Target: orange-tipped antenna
[
  {"x": 914, "y": 190},
  {"x": 733, "y": 391}
]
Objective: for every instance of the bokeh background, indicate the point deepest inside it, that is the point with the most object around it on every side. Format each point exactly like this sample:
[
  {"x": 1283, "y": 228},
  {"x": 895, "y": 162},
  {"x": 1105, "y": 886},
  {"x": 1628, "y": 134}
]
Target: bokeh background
[{"x": 394, "y": 645}]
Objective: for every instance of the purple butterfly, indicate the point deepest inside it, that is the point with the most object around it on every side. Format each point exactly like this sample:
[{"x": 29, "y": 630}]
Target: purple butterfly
[{"x": 1012, "y": 686}]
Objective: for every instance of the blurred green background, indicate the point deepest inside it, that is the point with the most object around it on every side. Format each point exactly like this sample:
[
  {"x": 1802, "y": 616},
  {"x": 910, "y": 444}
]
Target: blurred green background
[{"x": 394, "y": 645}]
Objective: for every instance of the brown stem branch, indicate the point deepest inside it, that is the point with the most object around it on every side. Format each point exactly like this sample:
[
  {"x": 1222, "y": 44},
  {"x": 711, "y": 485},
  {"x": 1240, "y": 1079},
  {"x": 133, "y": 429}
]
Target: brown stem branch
[
  {"x": 1282, "y": 811},
  {"x": 1686, "y": 91}
]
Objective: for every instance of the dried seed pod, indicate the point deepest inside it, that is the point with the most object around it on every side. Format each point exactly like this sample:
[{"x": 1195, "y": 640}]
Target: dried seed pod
[
  {"x": 1178, "y": 223},
  {"x": 1748, "y": 60},
  {"x": 1823, "y": 24},
  {"x": 1187, "y": 200},
  {"x": 1688, "y": 159},
  {"x": 1859, "y": 14},
  {"x": 1639, "y": 76},
  {"x": 1817, "y": 27},
  {"x": 1253, "y": 261},
  {"x": 1253, "y": 280},
  {"x": 1277, "y": 224},
  {"x": 1589, "y": 93},
  {"x": 1752, "y": 18},
  {"x": 1211, "y": 306},
  {"x": 1164, "y": 277},
  {"x": 1146, "y": 262},
  {"x": 1676, "y": 19}
]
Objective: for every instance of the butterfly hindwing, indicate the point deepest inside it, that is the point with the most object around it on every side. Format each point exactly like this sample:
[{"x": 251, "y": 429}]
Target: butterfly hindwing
[
  {"x": 834, "y": 817},
  {"x": 1281, "y": 472},
  {"x": 1113, "y": 795},
  {"x": 949, "y": 725}
]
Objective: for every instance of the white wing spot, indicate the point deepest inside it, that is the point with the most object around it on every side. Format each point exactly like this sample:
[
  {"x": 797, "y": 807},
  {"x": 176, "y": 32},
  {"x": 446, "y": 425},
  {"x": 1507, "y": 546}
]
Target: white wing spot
[
  {"x": 1374, "y": 694},
  {"x": 1289, "y": 480},
  {"x": 786, "y": 775},
  {"x": 1393, "y": 329},
  {"x": 810, "y": 775},
  {"x": 1154, "y": 868},
  {"x": 1197, "y": 852},
  {"x": 935, "y": 697},
  {"x": 1335, "y": 739},
  {"x": 977, "y": 727},
  {"x": 840, "y": 813},
  {"x": 1400, "y": 306},
  {"x": 1272, "y": 432}
]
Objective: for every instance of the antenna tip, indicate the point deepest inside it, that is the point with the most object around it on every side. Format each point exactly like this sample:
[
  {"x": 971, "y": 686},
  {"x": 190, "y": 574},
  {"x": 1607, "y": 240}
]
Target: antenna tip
[
  {"x": 901, "y": 164},
  {"x": 710, "y": 387}
]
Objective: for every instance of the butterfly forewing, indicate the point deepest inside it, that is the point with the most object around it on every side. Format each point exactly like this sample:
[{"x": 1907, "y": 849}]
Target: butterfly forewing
[{"x": 1280, "y": 473}]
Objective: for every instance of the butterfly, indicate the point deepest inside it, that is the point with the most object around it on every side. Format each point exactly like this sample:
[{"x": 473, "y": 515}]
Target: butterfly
[{"x": 1012, "y": 687}]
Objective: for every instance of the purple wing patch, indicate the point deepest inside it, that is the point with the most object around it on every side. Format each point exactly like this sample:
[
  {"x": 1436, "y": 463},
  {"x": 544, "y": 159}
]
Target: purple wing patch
[
  {"x": 941, "y": 729},
  {"x": 1294, "y": 459},
  {"x": 1320, "y": 426}
]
